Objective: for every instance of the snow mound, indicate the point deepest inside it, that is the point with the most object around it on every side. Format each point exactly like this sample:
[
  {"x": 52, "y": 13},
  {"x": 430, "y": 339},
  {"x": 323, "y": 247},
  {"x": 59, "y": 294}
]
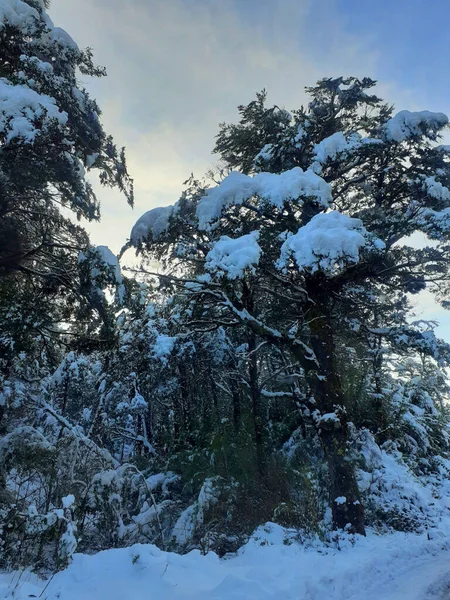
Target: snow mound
[
  {"x": 110, "y": 259},
  {"x": 154, "y": 222},
  {"x": 18, "y": 14},
  {"x": 271, "y": 566},
  {"x": 237, "y": 188},
  {"x": 21, "y": 109},
  {"x": 232, "y": 256},
  {"x": 327, "y": 242},
  {"x": 406, "y": 124},
  {"x": 435, "y": 189}
]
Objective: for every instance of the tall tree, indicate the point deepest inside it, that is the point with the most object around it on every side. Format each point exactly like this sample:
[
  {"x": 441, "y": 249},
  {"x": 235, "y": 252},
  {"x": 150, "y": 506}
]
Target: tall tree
[
  {"x": 50, "y": 137},
  {"x": 305, "y": 246},
  {"x": 52, "y": 280}
]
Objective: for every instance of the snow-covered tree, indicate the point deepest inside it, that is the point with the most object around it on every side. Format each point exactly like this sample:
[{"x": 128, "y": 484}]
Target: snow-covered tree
[
  {"x": 52, "y": 281},
  {"x": 50, "y": 137},
  {"x": 305, "y": 247}
]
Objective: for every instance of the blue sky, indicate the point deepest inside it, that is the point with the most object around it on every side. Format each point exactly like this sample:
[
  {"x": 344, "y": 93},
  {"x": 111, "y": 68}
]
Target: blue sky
[
  {"x": 179, "y": 67},
  {"x": 412, "y": 38}
]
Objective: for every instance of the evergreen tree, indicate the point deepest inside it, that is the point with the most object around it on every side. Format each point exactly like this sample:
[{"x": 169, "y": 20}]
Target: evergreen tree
[
  {"x": 305, "y": 246},
  {"x": 52, "y": 280}
]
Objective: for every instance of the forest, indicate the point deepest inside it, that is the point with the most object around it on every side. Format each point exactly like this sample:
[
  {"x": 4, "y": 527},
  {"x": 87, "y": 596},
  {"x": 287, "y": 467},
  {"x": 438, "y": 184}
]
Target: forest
[{"x": 252, "y": 355}]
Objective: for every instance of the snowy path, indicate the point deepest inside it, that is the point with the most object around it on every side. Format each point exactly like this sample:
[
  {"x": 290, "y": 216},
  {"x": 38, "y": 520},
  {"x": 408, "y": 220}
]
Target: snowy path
[
  {"x": 394, "y": 567},
  {"x": 425, "y": 581}
]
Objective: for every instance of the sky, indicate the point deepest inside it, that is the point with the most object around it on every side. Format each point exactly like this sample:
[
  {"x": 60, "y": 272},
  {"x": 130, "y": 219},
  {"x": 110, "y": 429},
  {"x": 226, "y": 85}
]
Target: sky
[{"x": 178, "y": 68}]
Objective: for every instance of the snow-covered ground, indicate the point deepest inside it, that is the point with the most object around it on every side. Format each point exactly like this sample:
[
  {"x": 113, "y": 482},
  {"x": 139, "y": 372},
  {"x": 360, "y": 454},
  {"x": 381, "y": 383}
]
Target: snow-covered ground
[{"x": 269, "y": 567}]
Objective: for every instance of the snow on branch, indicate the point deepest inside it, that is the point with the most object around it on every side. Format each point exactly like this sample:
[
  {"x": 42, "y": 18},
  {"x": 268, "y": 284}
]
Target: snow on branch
[
  {"x": 18, "y": 14},
  {"x": 230, "y": 257},
  {"x": 337, "y": 145},
  {"x": 406, "y": 124},
  {"x": 237, "y": 188},
  {"x": 24, "y": 113},
  {"x": 154, "y": 222},
  {"x": 28, "y": 20},
  {"x": 326, "y": 243}
]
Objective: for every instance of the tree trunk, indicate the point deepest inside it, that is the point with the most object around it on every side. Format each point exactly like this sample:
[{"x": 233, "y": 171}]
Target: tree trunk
[
  {"x": 257, "y": 417},
  {"x": 333, "y": 432},
  {"x": 381, "y": 420},
  {"x": 255, "y": 392}
]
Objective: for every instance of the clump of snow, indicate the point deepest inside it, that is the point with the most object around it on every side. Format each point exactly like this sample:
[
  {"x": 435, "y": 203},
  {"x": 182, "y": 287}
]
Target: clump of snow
[
  {"x": 110, "y": 259},
  {"x": 406, "y": 124},
  {"x": 194, "y": 516},
  {"x": 27, "y": 19},
  {"x": 90, "y": 159},
  {"x": 68, "y": 501},
  {"x": 43, "y": 66},
  {"x": 327, "y": 242},
  {"x": 393, "y": 494},
  {"x": 18, "y": 14},
  {"x": 163, "y": 347},
  {"x": 330, "y": 418},
  {"x": 138, "y": 402},
  {"x": 331, "y": 146},
  {"x": 340, "y": 500},
  {"x": 237, "y": 188},
  {"x": 185, "y": 526},
  {"x": 61, "y": 37},
  {"x": 154, "y": 222},
  {"x": 104, "y": 270},
  {"x": 232, "y": 256},
  {"x": 435, "y": 223},
  {"x": 336, "y": 144},
  {"x": 435, "y": 189},
  {"x": 67, "y": 543},
  {"x": 22, "y": 109},
  {"x": 265, "y": 154}
]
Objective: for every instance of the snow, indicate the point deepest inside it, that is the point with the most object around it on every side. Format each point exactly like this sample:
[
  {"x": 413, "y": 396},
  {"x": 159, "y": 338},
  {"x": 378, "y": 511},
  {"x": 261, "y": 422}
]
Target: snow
[
  {"x": 68, "y": 543},
  {"x": 185, "y": 525},
  {"x": 328, "y": 241},
  {"x": 271, "y": 566},
  {"x": 138, "y": 402},
  {"x": 21, "y": 108},
  {"x": 406, "y": 124},
  {"x": 163, "y": 347},
  {"x": 24, "y": 17},
  {"x": 237, "y": 188},
  {"x": 68, "y": 501},
  {"x": 340, "y": 500},
  {"x": 91, "y": 158},
  {"x": 330, "y": 417},
  {"x": 154, "y": 222},
  {"x": 330, "y": 147},
  {"x": 232, "y": 256},
  {"x": 336, "y": 144},
  {"x": 18, "y": 14},
  {"x": 110, "y": 259},
  {"x": 61, "y": 37},
  {"x": 44, "y": 67},
  {"x": 435, "y": 189},
  {"x": 263, "y": 155}
]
